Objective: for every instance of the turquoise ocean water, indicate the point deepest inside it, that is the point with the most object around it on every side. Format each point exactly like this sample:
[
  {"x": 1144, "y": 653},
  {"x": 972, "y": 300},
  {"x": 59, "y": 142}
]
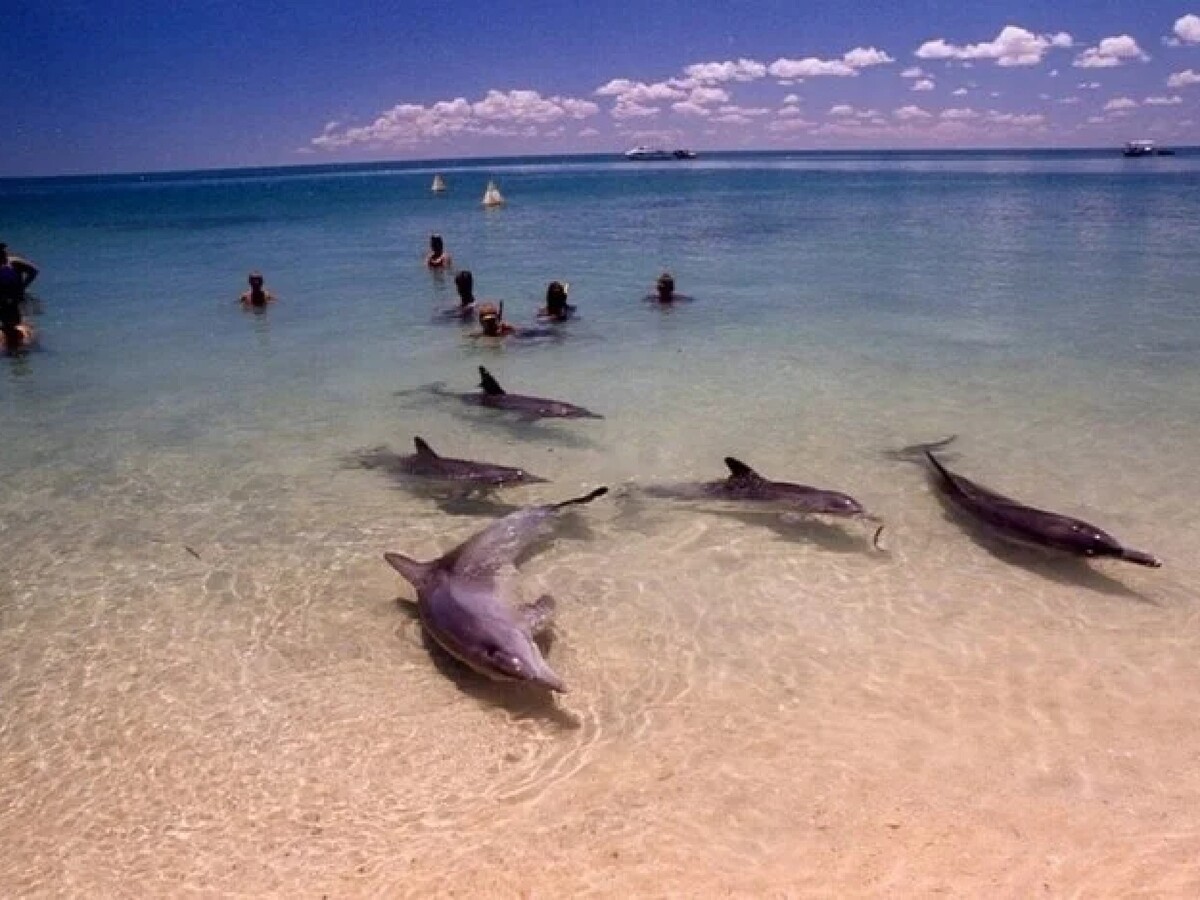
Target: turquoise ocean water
[{"x": 265, "y": 717}]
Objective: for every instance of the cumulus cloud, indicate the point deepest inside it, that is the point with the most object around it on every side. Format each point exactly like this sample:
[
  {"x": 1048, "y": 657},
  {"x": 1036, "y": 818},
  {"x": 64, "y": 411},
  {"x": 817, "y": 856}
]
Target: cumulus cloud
[
  {"x": 841, "y": 110},
  {"x": 702, "y": 95},
  {"x": 910, "y": 113},
  {"x": 1013, "y": 46},
  {"x": 1120, "y": 104},
  {"x": 913, "y": 72},
  {"x": 812, "y": 67},
  {"x": 1018, "y": 120},
  {"x": 627, "y": 91},
  {"x": 961, "y": 92},
  {"x": 1112, "y": 51},
  {"x": 958, "y": 115},
  {"x": 499, "y": 113},
  {"x": 789, "y": 112},
  {"x": 1069, "y": 101},
  {"x": 627, "y": 110},
  {"x": 1163, "y": 101},
  {"x": 1089, "y": 85},
  {"x": 1187, "y": 29},
  {"x": 720, "y": 72},
  {"x": 688, "y": 108},
  {"x": 923, "y": 85},
  {"x": 1183, "y": 79},
  {"x": 791, "y": 98}
]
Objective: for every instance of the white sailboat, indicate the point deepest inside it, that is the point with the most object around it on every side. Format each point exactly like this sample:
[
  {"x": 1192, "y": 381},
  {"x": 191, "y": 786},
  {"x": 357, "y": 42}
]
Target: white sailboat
[
  {"x": 439, "y": 184},
  {"x": 492, "y": 196}
]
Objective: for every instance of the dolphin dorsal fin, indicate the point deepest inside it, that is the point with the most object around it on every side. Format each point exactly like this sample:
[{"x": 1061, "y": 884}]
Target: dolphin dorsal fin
[
  {"x": 423, "y": 449},
  {"x": 489, "y": 384},
  {"x": 739, "y": 469}
]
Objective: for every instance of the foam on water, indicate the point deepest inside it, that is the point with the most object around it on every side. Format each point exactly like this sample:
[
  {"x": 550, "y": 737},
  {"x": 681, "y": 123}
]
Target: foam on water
[{"x": 757, "y": 705}]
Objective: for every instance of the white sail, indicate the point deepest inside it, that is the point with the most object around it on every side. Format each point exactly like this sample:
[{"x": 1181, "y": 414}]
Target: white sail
[
  {"x": 492, "y": 196},
  {"x": 439, "y": 184}
]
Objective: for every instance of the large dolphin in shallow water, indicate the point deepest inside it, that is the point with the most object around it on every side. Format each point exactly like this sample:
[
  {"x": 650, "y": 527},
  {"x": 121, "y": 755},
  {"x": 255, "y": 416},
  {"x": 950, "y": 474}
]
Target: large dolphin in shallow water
[
  {"x": 746, "y": 486},
  {"x": 493, "y": 396},
  {"x": 1023, "y": 524},
  {"x": 427, "y": 465},
  {"x": 460, "y": 607}
]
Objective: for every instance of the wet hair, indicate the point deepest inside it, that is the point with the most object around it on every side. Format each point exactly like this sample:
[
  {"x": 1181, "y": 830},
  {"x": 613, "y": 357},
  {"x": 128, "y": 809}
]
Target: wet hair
[
  {"x": 464, "y": 283},
  {"x": 665, "y": 283},
  {"x": 435, "y": 245},
  {"x": 556, "y": 298},
  {"x": 255, "y": 276}
]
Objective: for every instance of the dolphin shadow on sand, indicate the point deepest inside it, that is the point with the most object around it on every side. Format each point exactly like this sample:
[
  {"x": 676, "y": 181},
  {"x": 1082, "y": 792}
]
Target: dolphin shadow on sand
[
  {"x": 514, "y": 698},
  {"x": 1052, "y": 545},
  {"x": 803, "y": 529}
]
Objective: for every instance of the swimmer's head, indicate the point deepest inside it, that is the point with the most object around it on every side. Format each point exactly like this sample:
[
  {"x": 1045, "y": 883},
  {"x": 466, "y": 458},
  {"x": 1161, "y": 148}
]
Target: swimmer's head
[
  {"x": 464, "y": 283},
  {"x": 255, "y": 279},
  {"x": 489, "y": 319},
  {"x": 435, "y": 244},
  {"x": 3, "y": 254}
]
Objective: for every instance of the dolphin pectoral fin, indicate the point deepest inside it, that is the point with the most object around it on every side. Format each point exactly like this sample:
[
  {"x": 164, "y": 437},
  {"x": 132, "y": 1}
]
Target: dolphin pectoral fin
[
  {"x": 423, "y": 448},
  {"x": 539, "y": 615},
  {"x": 1140, "y": 558},
  {"x": 917, "y": 452},
  {"x": 413, "y": 571}
]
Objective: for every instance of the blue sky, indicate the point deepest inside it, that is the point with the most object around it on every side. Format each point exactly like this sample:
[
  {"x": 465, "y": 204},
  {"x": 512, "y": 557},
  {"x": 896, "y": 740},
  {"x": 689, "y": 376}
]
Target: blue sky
[{"x": 137, "y": 86}]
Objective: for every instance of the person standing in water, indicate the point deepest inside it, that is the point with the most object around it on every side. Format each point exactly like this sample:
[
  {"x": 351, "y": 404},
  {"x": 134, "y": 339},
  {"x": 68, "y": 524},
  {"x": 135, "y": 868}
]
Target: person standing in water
[
  {"x": 437, "y": 257},
  {"x": 664, "y": 291},
  {"x": 16, "y": 275},
  {"x": 556, "y": 309},
  {"x": 464, "y": 284},
  {"x": 258, "y": 296}
]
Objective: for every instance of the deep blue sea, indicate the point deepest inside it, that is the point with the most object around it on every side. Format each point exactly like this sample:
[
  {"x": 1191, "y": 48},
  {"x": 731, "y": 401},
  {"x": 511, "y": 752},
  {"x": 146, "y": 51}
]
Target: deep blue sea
[{"x": 209, "y": 687}]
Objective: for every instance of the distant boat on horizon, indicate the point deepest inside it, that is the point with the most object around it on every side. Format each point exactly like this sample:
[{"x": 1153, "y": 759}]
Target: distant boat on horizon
[
  {"x": 653, "y": 154},
  {"x": 1144, "y": 148},
  {"x": 439, "y": 184},
  {"x": 492, "y": 196}
]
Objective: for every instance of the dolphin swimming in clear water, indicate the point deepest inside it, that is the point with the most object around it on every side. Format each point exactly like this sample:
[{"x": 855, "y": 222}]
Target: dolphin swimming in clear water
[
  {"x": 459, "y": 602},
  {"x": 493, "y": 396},
  {"x": 427, "y": 465},
  {"x": 746, "y": 486},
  {"x": 1018, "y": 523}
]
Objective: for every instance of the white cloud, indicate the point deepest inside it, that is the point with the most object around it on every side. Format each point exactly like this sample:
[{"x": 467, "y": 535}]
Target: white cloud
[
  {"x": 1089, "y": 85},
  {"x": 1053, "y": 73},
  {"x": 1120, "y": 104},
  {"x": 787, "y": 126},
  {"x": 623, "y": 111},
  {"x": 702, "y": 95},
  {"x": 688, "y": 108},
  {"x": 588, "y": 132},
  {"x": 627, "y": 91},
  {"x": 923, "y": 85},
  {"x": 1183, "y": 79},
  {"x": 750, "y": 111},
  {"x": 841, "y": 110},
  {"x": 789, "y": 112},
  {"x": 812, "y": 67},
  {"x": 910, "y": 113},
  {"x": 863, "y": 57},
  {"x": 1163, "y": 101},
  {"x": 961, "y": 92},
  {"x": 1069, "y": 101},
  {"x": 516, "y": 113},
  {"x": 959, "y": 115},
  {"x": 1013, "y": 46},
  {"x": 1112, "y": 51},
  {"x": 913, "y": 72},
  {"x": 1018, "y": 120},
  {"x": 791, "y": 98},
  {"x": 1187, "y": 29},
  {"x": 720, "y": 72}
]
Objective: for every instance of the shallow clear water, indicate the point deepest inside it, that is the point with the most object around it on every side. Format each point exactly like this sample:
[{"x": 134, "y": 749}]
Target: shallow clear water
[{"x": 757, "y": 705}]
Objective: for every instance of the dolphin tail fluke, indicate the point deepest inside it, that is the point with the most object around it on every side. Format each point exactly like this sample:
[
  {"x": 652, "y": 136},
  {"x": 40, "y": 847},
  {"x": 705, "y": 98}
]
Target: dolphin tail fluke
[
  {"x": 739, "y": 469},
  {"x": 423, "y": 448},
  {"x": 1140, "y": 558},
  {"x": 414, "y": 572},
  {"x": 586, "y": 498},
  {"x": 489, "y": 384},
  {"x": 917, "y": 452}
]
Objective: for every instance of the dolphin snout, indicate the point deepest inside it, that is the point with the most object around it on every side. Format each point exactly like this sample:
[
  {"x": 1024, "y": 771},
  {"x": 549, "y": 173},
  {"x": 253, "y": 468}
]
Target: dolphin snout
[{"x": 1140, "y": 558}]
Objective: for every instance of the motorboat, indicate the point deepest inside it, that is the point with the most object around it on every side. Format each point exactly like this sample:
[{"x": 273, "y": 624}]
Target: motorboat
[{"x": 654, "y": 154}]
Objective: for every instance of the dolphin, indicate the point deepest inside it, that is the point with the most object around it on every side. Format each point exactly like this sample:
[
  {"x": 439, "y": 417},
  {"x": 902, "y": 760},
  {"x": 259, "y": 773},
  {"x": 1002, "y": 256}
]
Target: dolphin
[
  {"x": 746, "y": 486},
  {"x": 427, "y": 465},
  {"x": 1018, "y": 523},
  {"x": 529, "y": 408},
  {"x": 459, "y": 602}
]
